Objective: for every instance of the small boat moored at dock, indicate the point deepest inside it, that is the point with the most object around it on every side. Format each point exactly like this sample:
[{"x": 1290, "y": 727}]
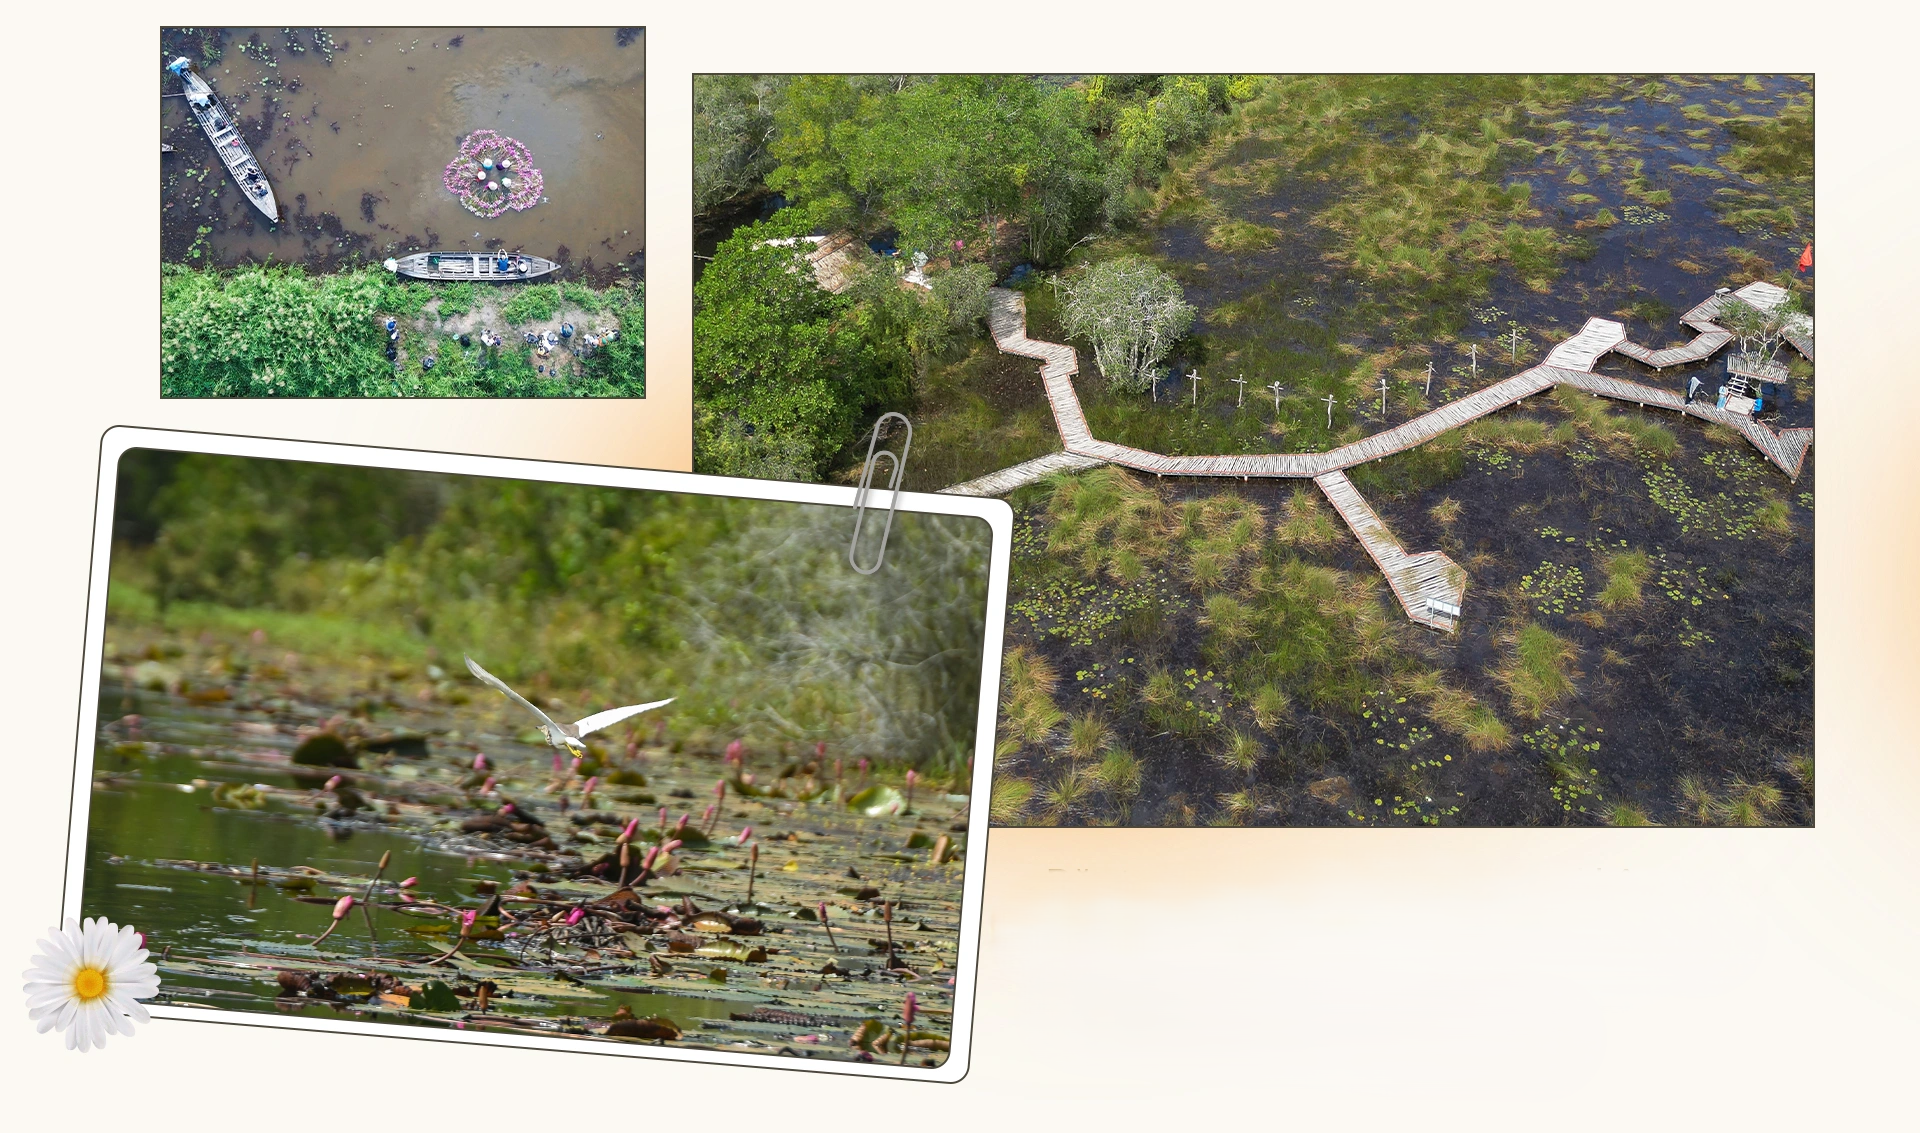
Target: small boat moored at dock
[
  {"x": 221, "y": 130},
  {"x": 485, "y": 267}
]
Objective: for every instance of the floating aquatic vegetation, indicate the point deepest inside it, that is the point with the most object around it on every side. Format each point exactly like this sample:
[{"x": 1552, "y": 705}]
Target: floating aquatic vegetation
[
  {"x": 1553, "y": 588},
  {"x": 1642, "y": 214},
  {"x": 492, "y": 174}
]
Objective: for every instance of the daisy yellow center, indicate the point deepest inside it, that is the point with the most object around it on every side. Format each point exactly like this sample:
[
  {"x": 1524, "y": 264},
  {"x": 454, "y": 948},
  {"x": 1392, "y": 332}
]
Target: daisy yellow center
[{"x": 89, "y": 984}]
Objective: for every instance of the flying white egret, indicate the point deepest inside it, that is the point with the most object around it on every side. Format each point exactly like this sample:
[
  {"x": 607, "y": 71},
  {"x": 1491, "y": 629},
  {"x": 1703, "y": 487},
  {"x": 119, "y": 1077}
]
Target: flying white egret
[{"x": 566, "y": 737}]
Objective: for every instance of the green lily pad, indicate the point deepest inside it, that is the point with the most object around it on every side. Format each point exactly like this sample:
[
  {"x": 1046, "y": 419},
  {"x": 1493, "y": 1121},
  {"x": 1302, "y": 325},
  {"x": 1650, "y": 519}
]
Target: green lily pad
[
  {"x": 878, "y": 800},
  {"x": 434, "y": 995}
]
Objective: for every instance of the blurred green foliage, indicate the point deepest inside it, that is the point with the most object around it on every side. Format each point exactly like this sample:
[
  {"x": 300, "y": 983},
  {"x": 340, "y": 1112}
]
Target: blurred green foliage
[{"x": 745, "y": 610}]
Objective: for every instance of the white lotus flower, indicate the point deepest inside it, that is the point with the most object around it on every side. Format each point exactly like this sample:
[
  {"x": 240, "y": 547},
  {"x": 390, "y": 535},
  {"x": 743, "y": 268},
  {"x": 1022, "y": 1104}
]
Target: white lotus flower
[{"x": 87, "y": 980}]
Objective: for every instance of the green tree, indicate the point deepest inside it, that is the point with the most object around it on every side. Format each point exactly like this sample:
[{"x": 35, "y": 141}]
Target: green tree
[
  {"x": 782, "y": 355},
  {"x": 1131, "y": 311},
  {"x": 733, "y": 123}
]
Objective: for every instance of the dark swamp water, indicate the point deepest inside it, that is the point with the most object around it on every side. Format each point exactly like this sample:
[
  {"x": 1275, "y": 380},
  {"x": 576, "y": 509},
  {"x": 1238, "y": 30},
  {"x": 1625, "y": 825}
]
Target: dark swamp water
[
  {"x": 354, "y": 127},
  {"x": 1709, "y": 679},
  {"x": 194, "y": 788}
]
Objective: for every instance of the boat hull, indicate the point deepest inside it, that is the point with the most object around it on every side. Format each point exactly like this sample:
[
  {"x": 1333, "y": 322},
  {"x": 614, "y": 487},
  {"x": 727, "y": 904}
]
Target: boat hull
[
  {"x": 474, "y": 267},
  {"x": 224, "y": 133}
]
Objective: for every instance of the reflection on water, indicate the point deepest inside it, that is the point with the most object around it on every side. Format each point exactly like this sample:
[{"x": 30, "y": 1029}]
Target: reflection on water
[{"x": 355, "y": 145}]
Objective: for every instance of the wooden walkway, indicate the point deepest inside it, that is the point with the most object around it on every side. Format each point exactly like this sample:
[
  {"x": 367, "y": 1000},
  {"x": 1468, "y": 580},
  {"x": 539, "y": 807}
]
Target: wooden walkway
[
  {"x": 1007, "y": 479},
  {"x": 1415, "y": 578}
]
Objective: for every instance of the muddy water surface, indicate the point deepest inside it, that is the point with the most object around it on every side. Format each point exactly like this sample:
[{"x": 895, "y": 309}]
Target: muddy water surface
[{"x": 354, "y": 127}]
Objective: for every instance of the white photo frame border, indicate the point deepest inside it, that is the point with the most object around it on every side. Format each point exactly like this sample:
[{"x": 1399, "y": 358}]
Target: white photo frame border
[{"x": 117, "y": 441}]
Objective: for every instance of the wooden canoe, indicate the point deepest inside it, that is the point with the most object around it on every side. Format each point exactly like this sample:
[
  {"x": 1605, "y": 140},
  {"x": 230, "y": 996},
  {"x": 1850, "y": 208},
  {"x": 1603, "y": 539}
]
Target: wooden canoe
[
  {"x": 483, "y": 267},
  {"x": 218, "y": 124}
]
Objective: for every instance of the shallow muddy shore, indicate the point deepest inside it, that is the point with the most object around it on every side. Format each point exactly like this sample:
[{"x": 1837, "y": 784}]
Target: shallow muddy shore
[{"x": 354, "y": 126}]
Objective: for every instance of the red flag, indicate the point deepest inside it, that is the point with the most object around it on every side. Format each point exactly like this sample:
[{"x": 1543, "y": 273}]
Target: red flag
[{"x": 1806, "y": 258}]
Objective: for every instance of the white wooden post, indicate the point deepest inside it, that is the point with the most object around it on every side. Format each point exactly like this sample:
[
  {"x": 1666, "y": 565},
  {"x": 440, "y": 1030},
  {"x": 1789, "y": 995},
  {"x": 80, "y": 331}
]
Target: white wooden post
[
  {"x": 1329, "y": 400},
  {"x": 1195, "y": 378},
  {"x": 1241, "y": 381},
  {"x": 1383, "y": 394},
  {"x": 1429, "y": 379},
  {"x": 1276, "y": 388},
  {"x": 1473, "y": 358},
  {"x": 1516, "y": 342}
]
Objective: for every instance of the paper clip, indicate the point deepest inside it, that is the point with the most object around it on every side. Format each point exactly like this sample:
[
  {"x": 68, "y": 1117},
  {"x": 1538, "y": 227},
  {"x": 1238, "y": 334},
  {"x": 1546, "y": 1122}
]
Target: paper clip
[{"x": 866, "y": 484}]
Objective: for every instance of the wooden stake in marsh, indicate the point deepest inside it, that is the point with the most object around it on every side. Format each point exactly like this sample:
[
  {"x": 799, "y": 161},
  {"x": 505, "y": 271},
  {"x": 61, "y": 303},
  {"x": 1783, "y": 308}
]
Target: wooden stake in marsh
[
  {"x": 1383, "y": 395},
  {"x": 1329, "y": 400},
  {"x": 1194, "y": 377},
  {"x": 753, "y": 870},
  {"x": 1276, "y": 387},
  {"x": 1241, "y": 381},
  {"x": 1429, "y": 379}
]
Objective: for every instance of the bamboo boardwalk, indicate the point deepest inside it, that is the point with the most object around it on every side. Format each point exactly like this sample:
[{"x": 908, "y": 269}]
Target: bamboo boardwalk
[
  {"x": 1007, "y": 479},
  {"x": 1416, "y": 578}
]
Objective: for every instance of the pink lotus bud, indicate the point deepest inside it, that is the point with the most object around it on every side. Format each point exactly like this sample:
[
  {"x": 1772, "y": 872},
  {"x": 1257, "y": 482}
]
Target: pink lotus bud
[
  {"x": 823, "y": 910},
  {"x": 467, "y": 919},
  {"x": 341, "y": 907},
  {"x": 332, "y": 783},
  {"x": 627, "y": 834},
  {"x": 863, "y": 767},
  {"x": 573, "y": 918},
  {"x": 680, "y": 827},
  {"x": 409, "y": 883},
  {"x": 820, "y": 750},
  {"x": 487, "y": 787},
  {"x": 670, "y": 845},
  {"x": 733, "y": 752},
  {"x": 744, "y": 835},
  {"x": 646, "y": 863},
  {"x": 707, "y": 816},
  {"x": 720, "y": 789},
  {"x": 913, "y": 1001},
  {"x": 575, "y": 769},
  {"x": 557, "y": 765},
  {"x": 912, "y": 777},
  {"x": 480, "y": 761},
  {"x": 592, "y": 782},
  {"x": 506, "y": 808}
]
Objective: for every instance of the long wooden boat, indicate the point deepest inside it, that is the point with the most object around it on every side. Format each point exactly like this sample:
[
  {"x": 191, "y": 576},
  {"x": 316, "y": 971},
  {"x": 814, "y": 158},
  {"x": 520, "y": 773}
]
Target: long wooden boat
[
  {"x": 225, "y": 136},
  {"x": 484, "y": 267}
]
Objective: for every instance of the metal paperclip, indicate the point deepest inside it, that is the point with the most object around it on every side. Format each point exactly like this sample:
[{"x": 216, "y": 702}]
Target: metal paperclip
[{"x": 866, "y": 484}]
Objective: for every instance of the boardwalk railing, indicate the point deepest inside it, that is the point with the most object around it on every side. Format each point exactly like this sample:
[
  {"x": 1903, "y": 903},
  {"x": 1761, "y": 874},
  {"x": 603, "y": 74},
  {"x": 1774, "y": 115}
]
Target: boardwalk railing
[{"x": 1418, "y": 580}]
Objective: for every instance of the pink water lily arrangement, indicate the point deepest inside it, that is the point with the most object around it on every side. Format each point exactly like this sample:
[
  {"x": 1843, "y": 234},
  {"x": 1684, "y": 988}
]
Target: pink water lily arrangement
[{"x": 492, "y": 174}]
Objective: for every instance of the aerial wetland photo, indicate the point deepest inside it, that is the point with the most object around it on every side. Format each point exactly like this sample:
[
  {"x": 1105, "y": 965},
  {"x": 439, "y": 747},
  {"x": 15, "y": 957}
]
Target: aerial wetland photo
[
  {"x": 491, "y": 756},
  {"x": 1385, "y": 450},
  {"x": 402, "y": 212}
]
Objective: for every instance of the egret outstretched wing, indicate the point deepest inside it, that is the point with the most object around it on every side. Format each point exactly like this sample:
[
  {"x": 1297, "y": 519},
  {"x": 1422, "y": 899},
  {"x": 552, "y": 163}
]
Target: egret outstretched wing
[
  {"x": 496, "y": 682},
  {"x": 613, "y": 716}
]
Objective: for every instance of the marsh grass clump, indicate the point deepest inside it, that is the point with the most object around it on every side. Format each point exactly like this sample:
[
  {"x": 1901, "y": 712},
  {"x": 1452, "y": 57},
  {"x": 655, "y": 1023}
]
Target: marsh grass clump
[
  {"x": 1539, "y": 670},
  {"x": 1027, "y": 682},
  {"x": 1771, "y": 517},
  {"x": 1008, "y": 804},
  {"x": 1241, "y": 753},
  {"x": 1088, "y": 736},
  {"x": 1626, "y": 572},
  {"x": 1445, "y": 512}
]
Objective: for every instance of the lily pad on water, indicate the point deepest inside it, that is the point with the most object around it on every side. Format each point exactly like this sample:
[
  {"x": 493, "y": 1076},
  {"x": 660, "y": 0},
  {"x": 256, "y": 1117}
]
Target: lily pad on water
[
  {"x": 732, "y": 950},
  {"x": 878, "y": 800},
  {"x": 434, "y": 995}
]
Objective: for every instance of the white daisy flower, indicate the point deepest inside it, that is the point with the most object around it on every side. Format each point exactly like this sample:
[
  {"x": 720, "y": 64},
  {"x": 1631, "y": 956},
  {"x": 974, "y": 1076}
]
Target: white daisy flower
[{"x": 87, "y": 980}]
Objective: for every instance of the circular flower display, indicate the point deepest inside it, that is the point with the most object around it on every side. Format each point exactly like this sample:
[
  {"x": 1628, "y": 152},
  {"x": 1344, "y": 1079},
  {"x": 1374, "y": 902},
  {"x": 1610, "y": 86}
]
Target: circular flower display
[
  {"x": 493, "y": 173},
  {"x": 86, "y": 981}
]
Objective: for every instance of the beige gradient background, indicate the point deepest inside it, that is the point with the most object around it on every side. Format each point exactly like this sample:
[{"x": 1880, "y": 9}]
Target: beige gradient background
[{"x": 1300, "y": 978}]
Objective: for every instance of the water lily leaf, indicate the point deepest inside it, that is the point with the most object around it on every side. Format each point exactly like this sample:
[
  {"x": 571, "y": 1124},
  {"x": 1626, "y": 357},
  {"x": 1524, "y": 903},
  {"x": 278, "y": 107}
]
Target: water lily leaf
[
  {"x": 878, "y": 800},
  {"x": 872, "y": 1037},
  {"x": 651, "y": 1027},
  {"x": 732, "y": 950},
  {"x": 711, "y": 922},
  {"x": 919, "y": 840},
  {"x": 434, "y": 995}
]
